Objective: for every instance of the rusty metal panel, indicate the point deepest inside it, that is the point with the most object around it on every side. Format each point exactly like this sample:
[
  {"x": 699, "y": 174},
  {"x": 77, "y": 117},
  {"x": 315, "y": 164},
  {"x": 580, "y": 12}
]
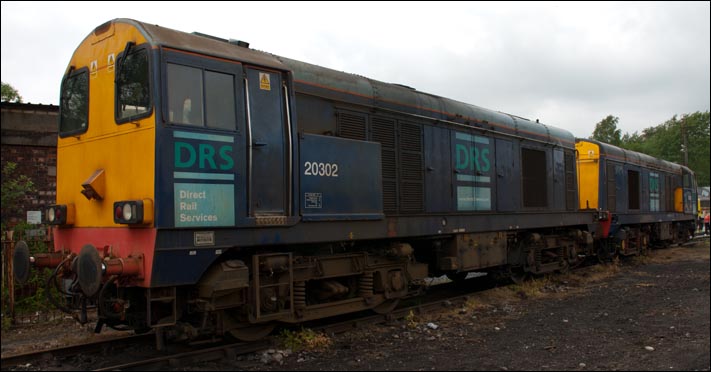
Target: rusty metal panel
[
  {"x": 477, "y": 251},
  {"x": 417, "y": 271},
  {"x": 665, "y": 231}
]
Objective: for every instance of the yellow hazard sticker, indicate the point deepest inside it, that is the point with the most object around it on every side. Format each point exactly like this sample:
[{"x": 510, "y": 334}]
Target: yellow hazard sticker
[
  {"x": 264, "y": 82},
  {"x": 93, "y": 68},
  {"x": 110, "y": 61}
]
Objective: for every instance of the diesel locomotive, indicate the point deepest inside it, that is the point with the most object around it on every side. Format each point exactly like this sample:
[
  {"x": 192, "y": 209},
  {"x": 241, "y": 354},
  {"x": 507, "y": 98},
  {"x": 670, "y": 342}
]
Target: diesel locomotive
[{"x": 206, "y": 188}]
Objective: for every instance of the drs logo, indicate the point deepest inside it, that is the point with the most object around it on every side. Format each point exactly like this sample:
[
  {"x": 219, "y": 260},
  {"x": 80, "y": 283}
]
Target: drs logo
[
  {"x": 204, "y": 156},
  {"x": 471, "y": 153}
]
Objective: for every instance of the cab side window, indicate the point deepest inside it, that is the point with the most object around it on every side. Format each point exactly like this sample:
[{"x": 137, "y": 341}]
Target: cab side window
[
  {"x": 185, "y": 94},
  {"x": 74, "y": 103},
  {"x": 133, "y": 86},
  {"x": 200, "y": 97},
  {"x": 220, "y": 107}
]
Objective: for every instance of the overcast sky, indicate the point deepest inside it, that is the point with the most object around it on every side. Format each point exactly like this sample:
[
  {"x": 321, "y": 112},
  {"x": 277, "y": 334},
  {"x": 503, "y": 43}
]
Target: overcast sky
[{"x": 567, "y": 64}]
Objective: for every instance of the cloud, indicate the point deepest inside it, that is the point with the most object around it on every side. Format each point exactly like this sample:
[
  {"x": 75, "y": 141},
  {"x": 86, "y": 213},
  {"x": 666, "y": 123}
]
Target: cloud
[{"x": 567, "y": 64}]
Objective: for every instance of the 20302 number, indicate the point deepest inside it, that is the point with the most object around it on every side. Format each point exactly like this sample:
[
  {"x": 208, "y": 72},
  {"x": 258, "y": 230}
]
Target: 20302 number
[{"x": 320, "y": 169}]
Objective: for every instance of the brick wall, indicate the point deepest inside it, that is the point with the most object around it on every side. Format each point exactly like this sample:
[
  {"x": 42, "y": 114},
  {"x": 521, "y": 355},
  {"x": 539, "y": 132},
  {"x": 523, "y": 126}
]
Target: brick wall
[{"x": 29, "y": 139}]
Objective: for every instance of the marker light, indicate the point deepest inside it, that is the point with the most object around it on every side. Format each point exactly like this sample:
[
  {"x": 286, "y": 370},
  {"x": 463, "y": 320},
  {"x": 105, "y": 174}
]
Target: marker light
[
  {"x": 133, "y": 211},
  {"x": 60, "y": 214}
]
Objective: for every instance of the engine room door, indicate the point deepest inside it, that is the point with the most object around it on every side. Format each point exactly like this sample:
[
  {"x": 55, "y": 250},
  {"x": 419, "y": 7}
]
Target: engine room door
[{"x": 267, "y": 133}]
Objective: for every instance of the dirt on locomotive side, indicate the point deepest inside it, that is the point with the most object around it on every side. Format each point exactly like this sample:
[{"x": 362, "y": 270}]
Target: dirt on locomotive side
[{"x": 642, "y": 313}]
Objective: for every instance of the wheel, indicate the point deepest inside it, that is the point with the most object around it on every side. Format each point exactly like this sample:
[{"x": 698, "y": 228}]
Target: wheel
[
  {"x": 572, "y": 260},
  {"x": 518, "y": 275},
  {"x": 565, "y": 268},
  {"x": 237, "y": 326},
  {"x": 252, "y": 332},
  {"x": 387, "y": 306}
]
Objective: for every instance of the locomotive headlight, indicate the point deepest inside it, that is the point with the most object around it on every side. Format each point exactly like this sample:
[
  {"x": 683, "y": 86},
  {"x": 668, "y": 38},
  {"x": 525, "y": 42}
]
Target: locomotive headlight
[
  {"x": 50, "y": 214},
  {"x": 133, "y": 211},
  {"x": 60, "y": 214},
  {"x": 127, "y": 211}
]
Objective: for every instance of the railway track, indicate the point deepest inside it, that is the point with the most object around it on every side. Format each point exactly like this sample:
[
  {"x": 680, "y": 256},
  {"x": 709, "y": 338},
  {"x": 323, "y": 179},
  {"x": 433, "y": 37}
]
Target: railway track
[{"x": 102, "y": 346}]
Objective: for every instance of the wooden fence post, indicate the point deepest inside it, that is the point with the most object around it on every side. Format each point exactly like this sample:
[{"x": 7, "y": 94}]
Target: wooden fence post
[{"x": 9, "y": 249}]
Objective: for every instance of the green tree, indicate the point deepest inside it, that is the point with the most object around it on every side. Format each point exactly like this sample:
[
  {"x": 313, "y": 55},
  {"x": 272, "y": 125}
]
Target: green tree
[
  {"x": 606, "y": 131},
  {"x": 695, "y": 127},
  {"x": 10, "y": 94},
  {"x": 665, "y": 141},
  {"x": 699, "y": 136},
  {"x": 634, "y": 142}
]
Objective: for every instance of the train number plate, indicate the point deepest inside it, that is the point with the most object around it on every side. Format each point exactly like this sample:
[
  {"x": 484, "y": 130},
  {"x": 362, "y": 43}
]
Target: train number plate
[{"x": 203, "y": 238}]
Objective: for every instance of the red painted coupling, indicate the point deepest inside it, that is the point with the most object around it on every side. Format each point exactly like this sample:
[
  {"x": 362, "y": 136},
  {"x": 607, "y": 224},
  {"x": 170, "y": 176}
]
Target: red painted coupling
[
  {"x": 22, "y": 262},
  {"x": 47, "y": 259},
  {"x": 130, "y": 266},
  {"x": 605, "y": 225}
]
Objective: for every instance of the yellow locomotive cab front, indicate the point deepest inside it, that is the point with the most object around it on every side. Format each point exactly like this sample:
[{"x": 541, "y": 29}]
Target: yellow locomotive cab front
[
  {"x": 588, "y": 156},
  {"x": 104, "y": 158}
]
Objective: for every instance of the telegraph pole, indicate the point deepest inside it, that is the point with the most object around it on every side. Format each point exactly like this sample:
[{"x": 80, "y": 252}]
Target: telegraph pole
[{"x": 684, "y": 147}]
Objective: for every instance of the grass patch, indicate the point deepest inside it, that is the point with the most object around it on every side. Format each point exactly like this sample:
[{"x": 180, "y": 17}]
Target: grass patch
[
  {"x": 304, "y": 339},
  {"x": 412, "y": 320},
  {"x": 532, "y": 288},
  {"x": 597, "y": 272}
]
